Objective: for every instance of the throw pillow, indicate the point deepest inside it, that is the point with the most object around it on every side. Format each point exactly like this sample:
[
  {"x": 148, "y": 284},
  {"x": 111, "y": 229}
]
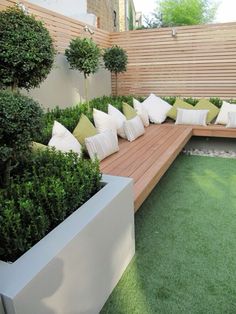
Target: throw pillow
[
  {"x": 119, "y": 119},
  {"x": 102, "y": 145},
  {"x": 193, "y": 117},
  {"x": 134, "y": 128},
  {"x": 179, "y": 103},
  {"x": 128, "y": 111},
  {"x": 104, "y": 121},
  {"x": 141, "y": 111},
  {"x": 207, "y": 105},
  {"x": 63, "y": 140},
  {"x": 35, "y": 146},
  {"x": 157, "y": 108},
  {"x": 231, "y": 120},
  {"x": 84, "y": 129},
  {"x": 223, "y": 114}
]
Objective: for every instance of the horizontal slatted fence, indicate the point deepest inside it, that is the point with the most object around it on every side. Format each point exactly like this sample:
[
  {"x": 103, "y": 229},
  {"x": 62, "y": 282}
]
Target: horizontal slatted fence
[
  {"x": 199, "y": 61},
  {"x": 61, "y": 28}
]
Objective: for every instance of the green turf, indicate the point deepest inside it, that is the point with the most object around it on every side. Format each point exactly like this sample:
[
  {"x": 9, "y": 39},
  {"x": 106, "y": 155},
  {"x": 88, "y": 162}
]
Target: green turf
[{"x": 185, "y": 258}]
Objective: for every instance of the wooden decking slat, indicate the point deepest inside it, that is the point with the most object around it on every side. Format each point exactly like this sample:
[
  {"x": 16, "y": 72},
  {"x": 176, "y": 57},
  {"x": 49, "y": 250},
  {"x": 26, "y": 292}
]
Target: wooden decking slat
[
  {"x": 134, "y": 158},
  {"x": 127, "y": 149},
  {"x": 147, "y": 158},
  {"x": 147, "y": 182}
]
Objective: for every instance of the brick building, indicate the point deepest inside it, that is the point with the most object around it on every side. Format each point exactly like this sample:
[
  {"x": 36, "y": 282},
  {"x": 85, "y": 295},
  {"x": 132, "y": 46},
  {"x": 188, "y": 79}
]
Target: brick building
[
  {"x": 107, "y": 13},
  {"x": 110, "y": 15}
]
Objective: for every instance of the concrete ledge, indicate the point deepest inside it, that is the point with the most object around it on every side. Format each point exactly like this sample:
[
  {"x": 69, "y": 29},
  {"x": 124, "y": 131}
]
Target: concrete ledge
[{"x": 77, "y": 265}]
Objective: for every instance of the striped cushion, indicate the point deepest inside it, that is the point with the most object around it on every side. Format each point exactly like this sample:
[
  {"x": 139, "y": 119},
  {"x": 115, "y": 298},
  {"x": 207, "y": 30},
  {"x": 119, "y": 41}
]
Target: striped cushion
[
  {"x": 133, "y": 128},
  {"x": 141, "y": 111},
  {"x": 231, "y": 120},
  {"x": 189, "y": 116},
  {"x": 119, "y": 119},
  {"x": 102, "y": 145}
]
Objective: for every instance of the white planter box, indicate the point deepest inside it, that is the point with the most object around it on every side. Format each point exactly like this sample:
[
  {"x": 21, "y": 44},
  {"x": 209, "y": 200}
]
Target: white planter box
[{"x": 76, "y": 266}]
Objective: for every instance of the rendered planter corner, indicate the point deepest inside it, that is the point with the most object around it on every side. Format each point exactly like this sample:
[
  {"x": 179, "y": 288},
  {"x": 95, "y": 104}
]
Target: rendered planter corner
[{"x": 76, "y": 266}]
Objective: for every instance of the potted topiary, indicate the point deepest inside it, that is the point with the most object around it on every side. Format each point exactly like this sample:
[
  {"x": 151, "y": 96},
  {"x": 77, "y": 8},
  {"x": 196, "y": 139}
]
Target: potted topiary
[
  {"x": 115, "y": 60},
  {"x": 26, "y": 50},
  {"x": 83, "y": 55}
]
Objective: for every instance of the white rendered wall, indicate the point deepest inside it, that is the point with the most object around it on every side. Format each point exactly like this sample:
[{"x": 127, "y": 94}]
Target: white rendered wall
[
  {"x": 76, "y": 9},
  {"x": 65, "y": 87}
]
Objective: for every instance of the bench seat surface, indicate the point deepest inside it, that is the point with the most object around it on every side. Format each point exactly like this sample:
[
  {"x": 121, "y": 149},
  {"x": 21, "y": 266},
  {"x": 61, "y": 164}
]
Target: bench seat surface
[{"x": 148, "y": 157}]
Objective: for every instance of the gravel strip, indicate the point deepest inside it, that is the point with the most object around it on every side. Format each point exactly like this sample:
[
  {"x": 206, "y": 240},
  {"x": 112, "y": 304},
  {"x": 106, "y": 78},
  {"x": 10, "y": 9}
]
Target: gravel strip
[{"x": 209, "y": 153}]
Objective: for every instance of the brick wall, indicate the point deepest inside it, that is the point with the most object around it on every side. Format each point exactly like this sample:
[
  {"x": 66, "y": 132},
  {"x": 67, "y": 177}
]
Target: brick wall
[{"x": 105, "y": 11}]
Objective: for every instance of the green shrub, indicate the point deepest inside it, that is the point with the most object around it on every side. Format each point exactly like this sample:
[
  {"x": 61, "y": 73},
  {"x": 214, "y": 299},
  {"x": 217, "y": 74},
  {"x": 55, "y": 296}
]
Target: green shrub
[
  {"x": 46, "y": 188},
  {"x": 20, "y": 121},
  {"x": 26, "y": 50},
  {"x": 70, "y": 116}
]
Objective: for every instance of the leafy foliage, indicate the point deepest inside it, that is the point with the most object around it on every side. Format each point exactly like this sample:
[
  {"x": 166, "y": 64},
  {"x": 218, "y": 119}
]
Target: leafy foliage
[
  {"x": 21, "y": 121},
  {"x": 46, "y": 189},
  {"x": 115, "y": 59},
  {"x": 26, "y": 50},
  {"x": 69, "y": 117},
  {"x": 83, "y": 55},
  {"x": 185, "y": 12}
]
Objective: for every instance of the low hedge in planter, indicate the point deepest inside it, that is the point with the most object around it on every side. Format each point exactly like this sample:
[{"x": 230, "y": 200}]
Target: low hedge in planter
[
  {"x": 44, "y": 190},
  {"x": 69, "y": 117}
]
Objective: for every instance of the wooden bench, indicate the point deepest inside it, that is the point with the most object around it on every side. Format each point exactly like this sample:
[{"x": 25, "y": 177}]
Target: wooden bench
[{"x": 147, "y": 158}]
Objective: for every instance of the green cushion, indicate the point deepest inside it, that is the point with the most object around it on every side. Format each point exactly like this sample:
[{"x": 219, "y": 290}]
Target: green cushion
[
  {"x": 128, "y": 111},
  {"x": 38, "y": 146},
  {"x": 179, "y": 103},
  {"x": 207, "y": 105},
  {"x": 84, "y": 129}
]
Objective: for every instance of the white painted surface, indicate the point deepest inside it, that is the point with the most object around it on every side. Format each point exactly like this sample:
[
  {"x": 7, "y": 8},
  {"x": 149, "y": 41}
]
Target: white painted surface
[
  {"x": 1, "y": 307},
  {"x": 75, "y": 267},
  {"x": 65, "y": 87}
]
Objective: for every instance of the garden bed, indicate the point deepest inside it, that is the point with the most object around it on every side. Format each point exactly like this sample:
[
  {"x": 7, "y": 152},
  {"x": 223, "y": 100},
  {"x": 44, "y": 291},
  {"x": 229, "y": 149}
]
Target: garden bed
[{"x": 75, "y": 267}]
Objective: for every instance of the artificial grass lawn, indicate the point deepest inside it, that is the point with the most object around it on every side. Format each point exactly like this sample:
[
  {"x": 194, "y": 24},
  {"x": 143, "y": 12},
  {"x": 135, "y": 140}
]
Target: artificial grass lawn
[{"x": 185, "y": 258}]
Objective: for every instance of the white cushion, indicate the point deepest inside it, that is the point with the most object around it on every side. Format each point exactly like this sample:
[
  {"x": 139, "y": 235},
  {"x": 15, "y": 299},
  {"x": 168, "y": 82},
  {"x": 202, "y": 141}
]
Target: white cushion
[
  {"x": 63, "y": 140},
  {"x": 231, "y": 120},
  {"x": 224, "y": 110},
  {"x": 133, "y": 128},
  {"x": 102, "y": 145},
  {"x": 104, "y": 121},
  {"x": 191, "y": 116},
  {"x": 119, "y": 118},
  {"x": 141, "y": 111},
  {"x": 157, "y": 108}
]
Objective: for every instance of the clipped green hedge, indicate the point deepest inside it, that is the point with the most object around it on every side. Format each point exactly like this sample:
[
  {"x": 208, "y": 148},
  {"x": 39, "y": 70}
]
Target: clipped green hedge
[
  {"x": 44, "y": 191},
  {"x": 69, "y": 117}
]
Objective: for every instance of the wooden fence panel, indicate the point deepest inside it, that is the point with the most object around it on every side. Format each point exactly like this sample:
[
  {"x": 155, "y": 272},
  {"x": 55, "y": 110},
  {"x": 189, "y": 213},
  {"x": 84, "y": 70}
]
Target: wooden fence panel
[{"x": 199, "y": 61}]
